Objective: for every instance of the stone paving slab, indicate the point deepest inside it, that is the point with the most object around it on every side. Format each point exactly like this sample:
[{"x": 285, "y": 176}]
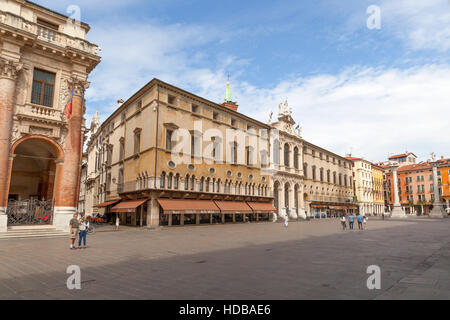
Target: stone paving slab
[{"x": 307, "y": 260}]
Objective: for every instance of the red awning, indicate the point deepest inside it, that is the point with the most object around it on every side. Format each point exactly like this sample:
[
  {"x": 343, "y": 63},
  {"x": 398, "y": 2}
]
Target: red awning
[
  {"x": 238, "y": 207},
  {"x": 107, "y": 203},
  {"x": 128, "y": 206},
  {"x": 262, "y": 207},
  {"x": 176, "y": 206}
]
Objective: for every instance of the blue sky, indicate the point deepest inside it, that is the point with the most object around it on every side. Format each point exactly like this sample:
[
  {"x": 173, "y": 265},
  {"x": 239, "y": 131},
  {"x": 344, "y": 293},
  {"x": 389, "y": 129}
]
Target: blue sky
[{"x": 369, "y": 92}]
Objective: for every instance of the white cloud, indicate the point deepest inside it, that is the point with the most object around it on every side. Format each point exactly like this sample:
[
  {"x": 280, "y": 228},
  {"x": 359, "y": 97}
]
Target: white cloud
[
  {"x": 422, "y": 24},
  {"x": 370, "y": 112}
]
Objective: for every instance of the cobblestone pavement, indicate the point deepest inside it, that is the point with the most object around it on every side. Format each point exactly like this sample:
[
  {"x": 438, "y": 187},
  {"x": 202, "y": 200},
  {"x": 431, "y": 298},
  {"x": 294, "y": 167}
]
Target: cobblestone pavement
[{"x": 307, "y": 260}]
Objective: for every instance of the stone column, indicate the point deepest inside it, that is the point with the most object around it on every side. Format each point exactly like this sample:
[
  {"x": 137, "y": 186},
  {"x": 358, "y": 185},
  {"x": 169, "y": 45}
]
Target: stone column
[
  {"x": 438, "y": 208},
  {"x": 397, "y": 211},
  {"x": 67, "y": 185},
  {"x": 9, "y": 70},
  {"x": 292, "y": 211},
  {"x": 152, "y": 213}
]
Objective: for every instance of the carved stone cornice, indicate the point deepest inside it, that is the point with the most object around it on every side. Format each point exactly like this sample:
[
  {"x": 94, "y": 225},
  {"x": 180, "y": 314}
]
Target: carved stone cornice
[
  {"x": 79, "y": 86},
  {"x": 9, "y": 69}
]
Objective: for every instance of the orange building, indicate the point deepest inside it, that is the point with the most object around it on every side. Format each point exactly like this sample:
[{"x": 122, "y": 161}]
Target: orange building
[
  {"x": 444, "y": 181},
  {"x": 415, "y": 185}
]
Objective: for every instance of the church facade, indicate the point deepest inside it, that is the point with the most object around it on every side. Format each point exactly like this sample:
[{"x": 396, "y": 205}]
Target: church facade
[{"x": 45, "y": 60}]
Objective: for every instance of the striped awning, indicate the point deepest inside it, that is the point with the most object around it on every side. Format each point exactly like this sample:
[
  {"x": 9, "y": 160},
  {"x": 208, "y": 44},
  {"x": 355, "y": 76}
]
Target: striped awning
[
  {"x": 236, "y": 207},
  {"x": 128, "y": 206},
  {"x": 177, "y": 206},
  {"x": 262, "y": 207}
]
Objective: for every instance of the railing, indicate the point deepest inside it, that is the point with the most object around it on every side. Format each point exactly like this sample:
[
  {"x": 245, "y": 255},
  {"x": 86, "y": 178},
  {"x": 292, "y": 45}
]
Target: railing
[
  {"x": 33, "y": 110},
  {"x": 47, "y": 34}
]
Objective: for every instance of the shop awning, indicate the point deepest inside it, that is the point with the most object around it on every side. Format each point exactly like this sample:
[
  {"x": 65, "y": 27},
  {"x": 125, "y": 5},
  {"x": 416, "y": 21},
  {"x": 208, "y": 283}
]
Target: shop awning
[
  {"x": 262, "y": 207},
  {"x": 229, "y": 207},
  {"x": 176, "y": 206},
  {"x": 128, "y": 206},
  {"x": 107, "y": 203},
  {"x": 338, "y": 207},
  {"x": 318, "y": 206}
]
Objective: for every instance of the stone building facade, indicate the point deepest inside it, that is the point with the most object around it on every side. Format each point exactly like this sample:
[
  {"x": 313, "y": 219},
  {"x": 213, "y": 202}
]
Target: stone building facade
[
  {"x": 43, "y": 56},
  {"x": 169, "y": 157},
  {"x": 363, "y": 185},
  {"x": 378, "y": 190}
]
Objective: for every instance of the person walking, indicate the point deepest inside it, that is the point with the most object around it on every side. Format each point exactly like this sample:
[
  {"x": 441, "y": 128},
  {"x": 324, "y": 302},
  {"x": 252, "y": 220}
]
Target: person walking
[
  {"x": 343, "y": 222},
  {"x": 84, "y": 226},
  {"x": 365, "y": 223},
  {"x": 359, "y": 218},
  {"x": 117, "y": 222},
  {"x": 351, "y": 221},
  {"x": 74, "y": 225},
  {"x": 382, "y": 216},
  {"x": 286, "y": 221}
]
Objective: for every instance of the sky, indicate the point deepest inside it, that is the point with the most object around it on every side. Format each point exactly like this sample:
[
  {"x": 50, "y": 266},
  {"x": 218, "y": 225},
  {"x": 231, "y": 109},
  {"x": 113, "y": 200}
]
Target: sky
[{"x": 371, "y": 92}]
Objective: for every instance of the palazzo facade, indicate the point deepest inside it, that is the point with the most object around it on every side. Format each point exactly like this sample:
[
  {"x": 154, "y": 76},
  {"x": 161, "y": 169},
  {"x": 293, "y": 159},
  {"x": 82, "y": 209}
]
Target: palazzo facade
[
  {"x": 169, "y": 157},
  {"x": 44, "y": 57}
]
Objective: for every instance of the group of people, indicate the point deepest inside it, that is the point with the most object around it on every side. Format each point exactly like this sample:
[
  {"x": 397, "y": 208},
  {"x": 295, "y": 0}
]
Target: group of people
[
  {"x": 362, "y": 221},
  {"x": 78, "y": 228}
]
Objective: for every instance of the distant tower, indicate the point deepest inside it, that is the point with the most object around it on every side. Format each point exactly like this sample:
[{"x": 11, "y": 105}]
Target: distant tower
[
  {"x": 228, "y": 101},
  {"x": 95, "y": 123}
]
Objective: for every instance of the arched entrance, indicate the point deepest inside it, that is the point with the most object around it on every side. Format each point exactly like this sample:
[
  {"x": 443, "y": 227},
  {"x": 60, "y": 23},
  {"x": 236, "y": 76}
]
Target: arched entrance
[
  {"x": 276, "y": 200},
  {"x": 32, "y": 180}
]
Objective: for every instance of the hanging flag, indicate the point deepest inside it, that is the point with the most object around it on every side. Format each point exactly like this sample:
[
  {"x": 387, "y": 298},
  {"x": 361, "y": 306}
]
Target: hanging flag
[{"x": 68, "y": 109}]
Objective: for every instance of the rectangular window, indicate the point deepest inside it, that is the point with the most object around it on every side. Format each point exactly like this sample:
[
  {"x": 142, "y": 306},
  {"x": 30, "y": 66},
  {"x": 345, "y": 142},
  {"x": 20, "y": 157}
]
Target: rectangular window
[
  {"x": 169, "y": 134},
  {"x": 42, "y": 89},
  {"x": 171, "y": 99},
  {"x": 194, "y": 108},
  {"x": 215, "y": 115},
  {"x": 137, "y": 142}
]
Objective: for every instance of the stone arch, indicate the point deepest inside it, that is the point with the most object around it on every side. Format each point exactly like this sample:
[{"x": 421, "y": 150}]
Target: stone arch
[{"x": 57, "y": 148}]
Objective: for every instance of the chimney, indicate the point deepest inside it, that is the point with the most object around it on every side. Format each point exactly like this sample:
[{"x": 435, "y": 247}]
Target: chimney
[{"x": 119, "y": 103}]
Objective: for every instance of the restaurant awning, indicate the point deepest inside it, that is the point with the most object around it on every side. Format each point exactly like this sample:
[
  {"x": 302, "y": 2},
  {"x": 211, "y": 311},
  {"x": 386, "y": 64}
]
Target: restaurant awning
[
  {"x": 318, "y": 206},
  {"x": 176, "y": 206},
  {"x": 338, "y": 207},
  {"x": 262, "y": 207},
  {"x": 229, "y": 207},
  {"x": 107, "y": 203},
  {"x": 128, "y": 206}
]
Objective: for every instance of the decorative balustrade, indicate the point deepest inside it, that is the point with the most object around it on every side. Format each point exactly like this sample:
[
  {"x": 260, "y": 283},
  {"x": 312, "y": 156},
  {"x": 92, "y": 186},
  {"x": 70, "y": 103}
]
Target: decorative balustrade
[
  {"x": 46, "y": 34},
  {"x": 36, "y": 111}
]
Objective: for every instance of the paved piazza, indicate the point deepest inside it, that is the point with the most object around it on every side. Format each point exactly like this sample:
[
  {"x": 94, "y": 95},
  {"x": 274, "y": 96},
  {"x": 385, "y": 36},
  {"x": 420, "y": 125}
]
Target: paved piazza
[{"x": 309, "y": 260}]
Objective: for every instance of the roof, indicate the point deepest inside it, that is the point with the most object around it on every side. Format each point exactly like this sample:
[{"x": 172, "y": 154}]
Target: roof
[
  {"x": 415, "y": 167},
  {"x": 403, "y": 155},
  {"x": 156, "y": 81},
  {"x": 353, "y": 158}
]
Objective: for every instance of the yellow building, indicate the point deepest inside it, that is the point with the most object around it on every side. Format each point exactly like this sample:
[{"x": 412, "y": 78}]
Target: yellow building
[
  {"x": 173, "y": 158},
  {"x": 378, "y": 190}
]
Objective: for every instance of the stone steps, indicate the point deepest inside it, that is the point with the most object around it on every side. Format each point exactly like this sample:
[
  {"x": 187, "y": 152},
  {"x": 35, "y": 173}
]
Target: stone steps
[{"x": 32, "y": 233}]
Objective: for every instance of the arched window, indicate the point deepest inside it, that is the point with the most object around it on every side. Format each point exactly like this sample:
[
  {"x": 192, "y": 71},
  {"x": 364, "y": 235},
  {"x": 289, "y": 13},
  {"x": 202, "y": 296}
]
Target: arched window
[
  {"x": 296, "y": 158},
  {"x": 208, "y": 182},
  {"x": 305, "y": 170},
  {"x": 202, "y": 182},
  {"x": 314, "y": 176},
  {"x": 218, "y": 185},
  {"x": 193, "y": 183},
  {"x": 321, "y": 174},
  {"x": 176, "y": 181},
  {"x": 287, "y": 153},
  {"x": 186, "y": 182},
  {"x": 334, "y": 177},
  {"x": 169, "y": 181},
  {"x": 340, "y": 179},
  {"x": 328, "y": 176},
  {"x": 286, "y": 196},
  {"x": 345, "y": 180}
]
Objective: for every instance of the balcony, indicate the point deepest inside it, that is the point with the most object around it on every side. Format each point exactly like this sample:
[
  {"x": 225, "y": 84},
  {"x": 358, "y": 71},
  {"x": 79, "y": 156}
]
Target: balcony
[
  {"x": 46, "y": 114},
  {"x": 44, "y": 34}
]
